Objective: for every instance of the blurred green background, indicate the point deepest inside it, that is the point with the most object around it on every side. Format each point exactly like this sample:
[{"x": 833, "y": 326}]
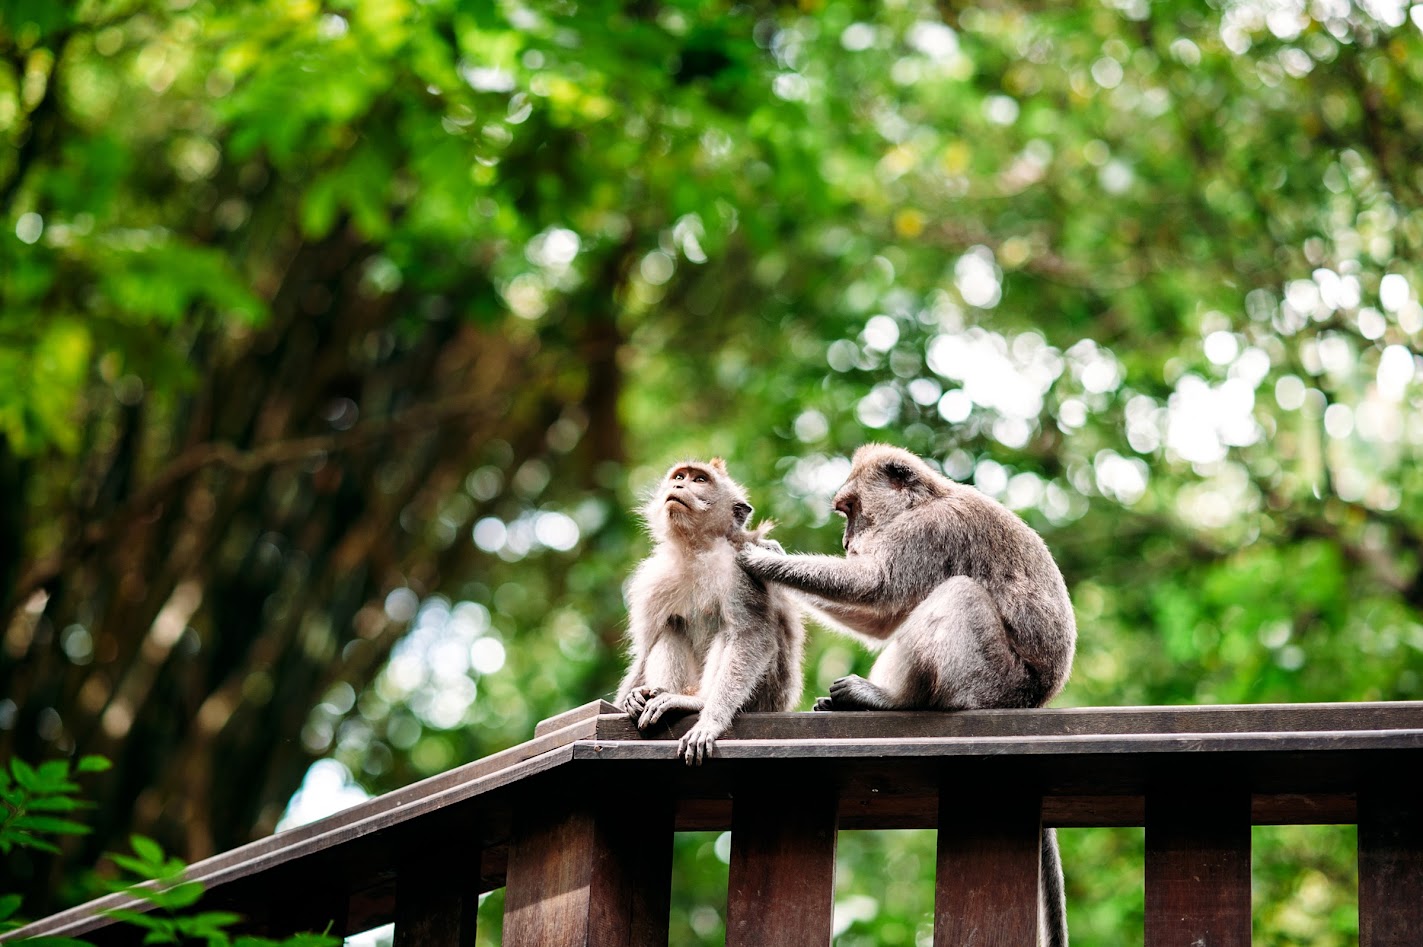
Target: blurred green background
[{"x": 337, "y": 340}]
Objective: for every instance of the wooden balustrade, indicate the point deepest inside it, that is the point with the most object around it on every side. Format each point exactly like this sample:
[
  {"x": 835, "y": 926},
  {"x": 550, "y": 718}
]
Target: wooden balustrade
[{"x": 587, "y": 861}]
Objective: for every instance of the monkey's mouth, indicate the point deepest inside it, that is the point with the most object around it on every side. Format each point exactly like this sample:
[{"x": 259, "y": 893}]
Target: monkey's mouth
[{"x": 673, "y": 498}]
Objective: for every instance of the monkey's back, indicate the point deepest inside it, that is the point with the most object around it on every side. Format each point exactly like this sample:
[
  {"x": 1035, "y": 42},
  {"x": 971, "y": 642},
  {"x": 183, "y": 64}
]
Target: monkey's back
[{"x": 984, "y": 540}]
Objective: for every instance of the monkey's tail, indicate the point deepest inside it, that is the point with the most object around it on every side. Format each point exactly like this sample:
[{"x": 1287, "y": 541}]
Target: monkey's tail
[{"x": 1053, "y": 913}]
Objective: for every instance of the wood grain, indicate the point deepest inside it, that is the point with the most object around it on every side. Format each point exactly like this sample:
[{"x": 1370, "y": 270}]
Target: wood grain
[
  {"x": 1197, "y": 866},
  {"x": 988, "y": 867},
  {"x": 1391, "y": 861},
  {"x": 781, "y": 884},
  {"x": 590, "y": 873}
]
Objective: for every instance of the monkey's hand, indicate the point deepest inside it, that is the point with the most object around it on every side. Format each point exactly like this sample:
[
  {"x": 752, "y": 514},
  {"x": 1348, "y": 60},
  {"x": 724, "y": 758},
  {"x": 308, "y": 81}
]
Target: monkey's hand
[
  {"x": 636, "y": 701},
  {"x": 698, "y": 743},
  {"x": 756, "y": 558},
  {"x": 662, "y": 703}
]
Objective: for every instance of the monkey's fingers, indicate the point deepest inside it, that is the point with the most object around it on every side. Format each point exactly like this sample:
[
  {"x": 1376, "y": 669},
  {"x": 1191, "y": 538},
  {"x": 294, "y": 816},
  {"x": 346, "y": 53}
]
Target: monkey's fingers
[
  {"x": 824, "y": 703},
  {"x": 651, "y": 714}
]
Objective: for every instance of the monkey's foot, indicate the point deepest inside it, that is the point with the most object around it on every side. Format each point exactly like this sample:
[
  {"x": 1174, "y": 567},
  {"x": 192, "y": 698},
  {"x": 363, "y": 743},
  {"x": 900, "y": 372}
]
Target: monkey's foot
[
  {"x": 853, "y": 692},
  {"x": 698, "y": 744},
  {"x": 823, "y": 703}
]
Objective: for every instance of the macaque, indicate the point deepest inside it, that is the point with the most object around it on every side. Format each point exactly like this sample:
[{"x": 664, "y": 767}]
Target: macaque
[
  {"x": 706, "y": 637},
  {"x": 961, "y": 598}
]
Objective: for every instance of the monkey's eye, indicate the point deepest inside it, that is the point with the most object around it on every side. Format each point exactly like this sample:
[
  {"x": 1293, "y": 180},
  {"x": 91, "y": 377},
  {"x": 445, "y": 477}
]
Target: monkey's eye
[
  {"x": 700, "y": 478},
  {"x": 679, "y": 476}
]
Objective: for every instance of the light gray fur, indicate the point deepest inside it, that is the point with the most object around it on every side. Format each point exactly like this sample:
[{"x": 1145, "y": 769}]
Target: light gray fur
[
  {"x": 960, "y": 596},
  {"x": 705, "y": 636}
]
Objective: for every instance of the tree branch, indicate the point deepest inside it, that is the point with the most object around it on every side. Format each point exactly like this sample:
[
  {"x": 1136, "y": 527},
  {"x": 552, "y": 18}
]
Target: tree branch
[{"x": 200, "y": 457}]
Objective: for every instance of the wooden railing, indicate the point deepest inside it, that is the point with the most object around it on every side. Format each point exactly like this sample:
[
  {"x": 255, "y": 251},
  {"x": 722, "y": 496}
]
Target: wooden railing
[{"x": 578, "y": 824}]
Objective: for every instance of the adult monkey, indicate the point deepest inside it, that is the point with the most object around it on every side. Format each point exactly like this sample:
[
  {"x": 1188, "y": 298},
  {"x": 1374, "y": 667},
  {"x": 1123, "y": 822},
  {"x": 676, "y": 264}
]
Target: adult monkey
[{"x": 962, "y": 598}]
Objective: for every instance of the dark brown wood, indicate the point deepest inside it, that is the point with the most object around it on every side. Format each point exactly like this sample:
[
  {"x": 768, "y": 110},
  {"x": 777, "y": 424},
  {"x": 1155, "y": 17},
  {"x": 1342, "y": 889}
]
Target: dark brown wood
[
  {"x": 435, "y": 904},
  {"x": 988, "y": 867},
  {"x": 1197, "y": 866},
  {"x": 1067, "y": 721},
  {"x": 594, "y": 873},
  {"x": 1093, "y": 766},
  {"x": 781, "y": 884},
  {"x": 1391, "y": 862}
]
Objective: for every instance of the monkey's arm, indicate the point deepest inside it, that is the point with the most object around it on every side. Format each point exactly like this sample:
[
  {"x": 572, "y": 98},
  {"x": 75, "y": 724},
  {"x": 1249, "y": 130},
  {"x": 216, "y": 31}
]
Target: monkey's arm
[
  {"x": 844, "y": 580},
  {"x": 857, "y": 621},
  {"x": 633, "y": 692}
]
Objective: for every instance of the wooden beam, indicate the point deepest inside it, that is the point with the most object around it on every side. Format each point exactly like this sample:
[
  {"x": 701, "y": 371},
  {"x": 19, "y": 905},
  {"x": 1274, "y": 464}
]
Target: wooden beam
[
  {"x": 1056, "y": 721},
  {"x": 781, "y": 884},
  {"x": 1391, "y": 862},
  {"x": 597, "y": 873},
  {"x": 986, "y": 891},
  {"x": 1197, "y": 867}
]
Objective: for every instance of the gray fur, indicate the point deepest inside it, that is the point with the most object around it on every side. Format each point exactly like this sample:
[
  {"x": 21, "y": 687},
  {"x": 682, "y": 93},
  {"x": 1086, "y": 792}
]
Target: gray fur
[
  {"x": 961, "y": 597},
  {"x": 705, "y": 636}
]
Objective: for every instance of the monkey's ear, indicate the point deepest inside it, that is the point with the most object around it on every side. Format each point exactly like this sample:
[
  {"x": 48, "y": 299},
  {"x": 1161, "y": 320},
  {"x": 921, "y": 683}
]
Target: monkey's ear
[
  {"x": 718, "y": 464},
  {"x": 899, "y": 475},
  {"x": 741, "y": 512}
]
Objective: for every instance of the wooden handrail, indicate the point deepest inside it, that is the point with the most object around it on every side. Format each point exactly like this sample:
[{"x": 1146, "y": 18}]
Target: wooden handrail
[{"x": 526, "y": 815}]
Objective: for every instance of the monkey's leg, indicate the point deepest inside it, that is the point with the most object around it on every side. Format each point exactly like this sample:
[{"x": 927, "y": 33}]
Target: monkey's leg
[{"x": 951, "y": 653}]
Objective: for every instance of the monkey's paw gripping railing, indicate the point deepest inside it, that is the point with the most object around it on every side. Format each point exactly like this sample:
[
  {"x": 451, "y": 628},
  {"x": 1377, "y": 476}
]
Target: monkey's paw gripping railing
[{"x": 577, "y": 824}]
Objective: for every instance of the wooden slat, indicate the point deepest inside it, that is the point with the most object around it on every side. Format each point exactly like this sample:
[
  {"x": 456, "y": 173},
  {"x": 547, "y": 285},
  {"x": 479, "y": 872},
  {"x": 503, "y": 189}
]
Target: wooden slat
[
  {"x": 361, "y": 825},
  {"x": 1197, "y": 867},
  {"x": 989, "y": 860},
  {"x": 1391, "y": 862},
  {"x": 585, "y": 712},
  {"x": 1069, "y": 721},
  {"x": 1134, "y": 744},
  {"x": 436, "y": 905},
  {"x": 781, "y": 884},
  {"x": 593, "y": 873}
]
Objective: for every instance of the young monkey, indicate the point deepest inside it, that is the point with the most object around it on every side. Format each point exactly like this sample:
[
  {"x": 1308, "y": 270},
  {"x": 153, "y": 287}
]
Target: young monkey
[
  {"x": 962, "y": 598},
  {"x": 705, "y": 636}
]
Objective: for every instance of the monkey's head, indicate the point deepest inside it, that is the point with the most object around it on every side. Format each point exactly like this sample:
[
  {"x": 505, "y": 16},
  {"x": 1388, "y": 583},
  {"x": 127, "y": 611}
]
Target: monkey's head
[
  {"x": 884, "y": 481},
  {"x": 697, "y": 501}
]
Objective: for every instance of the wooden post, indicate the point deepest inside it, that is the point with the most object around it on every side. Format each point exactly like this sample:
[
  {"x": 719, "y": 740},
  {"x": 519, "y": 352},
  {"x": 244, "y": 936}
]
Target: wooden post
[
  {"x": 594, "y": 875},
  {"x": 436, "y": 903},
  {"x": 1390, "y": 863},
  {"x": 781, "y": 884},
  {"x": 1198, "y": 868},
  {"x": 989, "y": 864}
]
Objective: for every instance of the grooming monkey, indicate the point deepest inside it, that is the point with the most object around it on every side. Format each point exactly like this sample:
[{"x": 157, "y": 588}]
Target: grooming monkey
[
  {"x": 960, "y": 596},
  {"x": 705, "y": 635}
]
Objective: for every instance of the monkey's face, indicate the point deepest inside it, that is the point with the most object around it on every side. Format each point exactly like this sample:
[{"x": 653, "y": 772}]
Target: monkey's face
[
  {"x": 884, "y": 482},
  {"x": 697, "y": 499}
]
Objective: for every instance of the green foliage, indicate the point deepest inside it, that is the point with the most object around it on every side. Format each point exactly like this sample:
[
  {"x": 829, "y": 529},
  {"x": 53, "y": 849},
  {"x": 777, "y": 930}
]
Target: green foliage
[
  {"x": 29, "y": 792},
  {"x": 157, "y": 879},
  {"x": 39, "y": 801}
]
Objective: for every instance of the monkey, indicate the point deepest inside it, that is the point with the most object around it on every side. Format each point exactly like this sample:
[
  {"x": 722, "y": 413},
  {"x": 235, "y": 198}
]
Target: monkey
[
  {"x": 705, "y": 636},
  {"x": 962, "y": 598}
]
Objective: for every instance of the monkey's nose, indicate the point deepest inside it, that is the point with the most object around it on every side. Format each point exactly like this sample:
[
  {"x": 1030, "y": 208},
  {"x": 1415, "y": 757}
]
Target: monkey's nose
[{"x": 844, "y": 505}]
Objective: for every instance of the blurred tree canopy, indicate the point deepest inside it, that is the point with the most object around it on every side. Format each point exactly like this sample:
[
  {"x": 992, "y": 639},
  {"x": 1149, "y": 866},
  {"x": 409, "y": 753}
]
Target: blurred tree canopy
[{"x": 338, "y": 338}]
